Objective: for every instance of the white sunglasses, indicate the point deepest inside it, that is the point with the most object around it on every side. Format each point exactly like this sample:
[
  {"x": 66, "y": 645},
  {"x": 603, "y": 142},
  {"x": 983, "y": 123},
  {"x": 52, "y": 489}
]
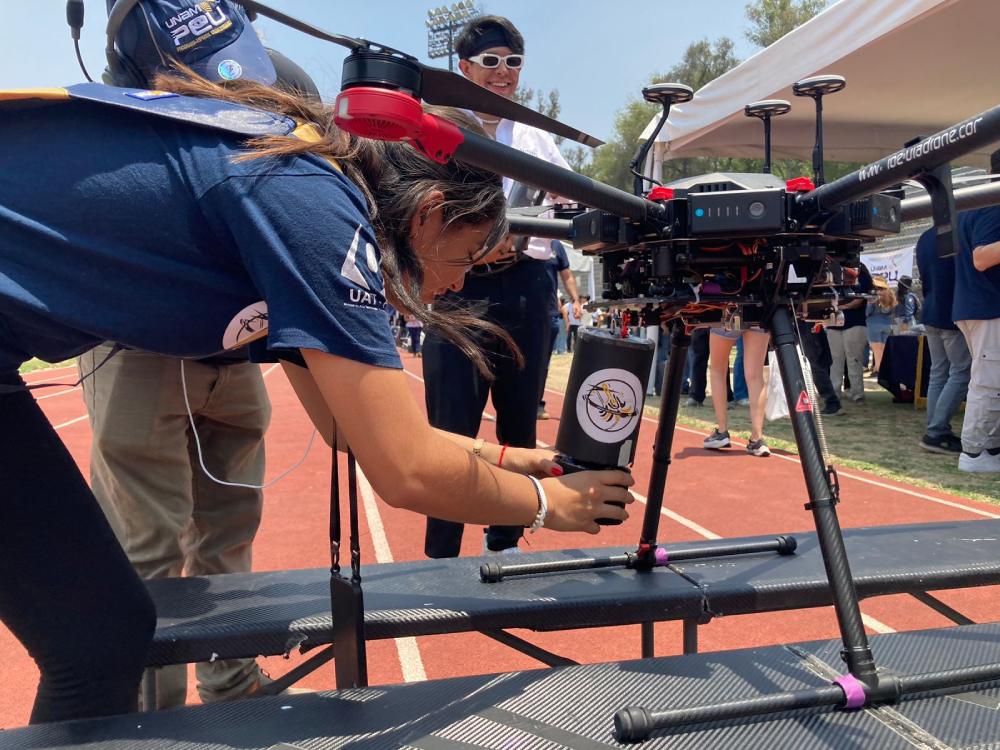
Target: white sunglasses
[{"x": 489, "y": 60}]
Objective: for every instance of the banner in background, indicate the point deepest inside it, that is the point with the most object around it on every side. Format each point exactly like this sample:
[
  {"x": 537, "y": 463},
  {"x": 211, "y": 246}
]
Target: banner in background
[{"x": 890, "y": 264}]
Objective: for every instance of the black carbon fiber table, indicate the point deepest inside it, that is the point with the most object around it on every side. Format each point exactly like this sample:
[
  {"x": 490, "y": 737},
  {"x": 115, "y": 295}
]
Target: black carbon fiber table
[
  {"x": 572, "y": 707},
  {"x": 240, "y": 615}
]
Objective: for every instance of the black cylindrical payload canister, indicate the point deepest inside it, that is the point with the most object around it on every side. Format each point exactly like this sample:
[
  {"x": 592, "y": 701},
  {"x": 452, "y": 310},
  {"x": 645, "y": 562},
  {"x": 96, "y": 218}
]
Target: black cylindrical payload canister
[{"x": 604, "y": 398}]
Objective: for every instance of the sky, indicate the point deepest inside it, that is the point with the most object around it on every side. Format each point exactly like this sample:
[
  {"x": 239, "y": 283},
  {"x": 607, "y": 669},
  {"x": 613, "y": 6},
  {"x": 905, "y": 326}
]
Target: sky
[{"x": 597, "y": 53}]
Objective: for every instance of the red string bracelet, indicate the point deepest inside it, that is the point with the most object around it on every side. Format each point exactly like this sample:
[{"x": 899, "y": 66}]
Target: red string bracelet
[{"x": 502, "y": 451}]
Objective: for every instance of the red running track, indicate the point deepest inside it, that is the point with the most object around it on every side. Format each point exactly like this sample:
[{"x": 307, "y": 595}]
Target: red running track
[{"x": 708, "y": 494}]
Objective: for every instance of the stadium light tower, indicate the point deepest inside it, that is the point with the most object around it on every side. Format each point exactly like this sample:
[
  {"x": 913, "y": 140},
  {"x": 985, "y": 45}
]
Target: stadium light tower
[{"x": 442, "y": 23}]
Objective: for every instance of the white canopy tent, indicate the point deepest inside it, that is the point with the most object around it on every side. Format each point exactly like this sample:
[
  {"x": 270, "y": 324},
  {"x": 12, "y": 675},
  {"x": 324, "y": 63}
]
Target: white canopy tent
[{"x": 912, "y": 68}]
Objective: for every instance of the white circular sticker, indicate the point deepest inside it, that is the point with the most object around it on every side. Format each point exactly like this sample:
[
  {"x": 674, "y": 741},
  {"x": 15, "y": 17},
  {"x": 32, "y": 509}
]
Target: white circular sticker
[
  {"x": 609, "y": 405},
  {"x": 249, "y": 325}
]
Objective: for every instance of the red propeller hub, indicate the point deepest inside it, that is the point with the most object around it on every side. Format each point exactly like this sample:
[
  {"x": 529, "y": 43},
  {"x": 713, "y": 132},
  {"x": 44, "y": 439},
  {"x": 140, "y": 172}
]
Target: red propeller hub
[
  {"x": 381, "y": 114},
  {"x": 387, "y": 115},
  {"x": 660, "y": 193}
]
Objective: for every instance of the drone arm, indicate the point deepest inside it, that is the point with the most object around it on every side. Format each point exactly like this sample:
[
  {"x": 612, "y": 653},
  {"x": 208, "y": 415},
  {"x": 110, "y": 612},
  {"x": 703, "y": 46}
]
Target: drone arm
[
  {"x": 940, "y": 148},
  {"x": 532, "y": 226},
  {"x": 966, "y": 199},
  {"x": 488, "y": 154}
]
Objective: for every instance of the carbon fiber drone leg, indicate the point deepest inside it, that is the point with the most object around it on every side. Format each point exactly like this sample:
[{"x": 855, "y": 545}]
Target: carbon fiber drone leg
[{"x": 648, "y": 555}]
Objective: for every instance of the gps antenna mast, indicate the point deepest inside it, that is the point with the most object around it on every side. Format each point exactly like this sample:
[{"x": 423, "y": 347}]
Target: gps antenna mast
[
  {"x": 664, "y": 94},
  {"x": 764, "y": 111},
  {"x": 817, "y": 87}
]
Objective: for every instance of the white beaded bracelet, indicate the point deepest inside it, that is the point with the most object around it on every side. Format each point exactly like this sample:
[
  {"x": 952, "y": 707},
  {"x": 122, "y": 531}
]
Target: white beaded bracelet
[{"x": 543, "y": 506}]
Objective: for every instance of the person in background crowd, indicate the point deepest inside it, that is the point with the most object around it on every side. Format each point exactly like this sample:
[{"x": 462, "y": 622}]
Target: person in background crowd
[
  {"x": 907, "y": 312},
  {"x": 414, "y": 329},
  {"x": 755, "y": 343},
  {"x": 167, "y": 514},
  {"x": 571, "y": 320},
  {"x": 879, "y": 319},
  {"x": 558, "y": 268},
  {"x": 515, "y": 293},
  {"x": 848, "y": 341},
  {"x": 741, "y": 394},
  {"x": 950, "y": 359},
  {"x": 817, "y": 351},
  {"x": 976, "y": 312}
]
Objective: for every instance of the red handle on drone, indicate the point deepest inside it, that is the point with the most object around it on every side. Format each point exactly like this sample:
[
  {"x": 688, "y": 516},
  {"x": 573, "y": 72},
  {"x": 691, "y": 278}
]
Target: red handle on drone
[{"x": 388, "y": 115}]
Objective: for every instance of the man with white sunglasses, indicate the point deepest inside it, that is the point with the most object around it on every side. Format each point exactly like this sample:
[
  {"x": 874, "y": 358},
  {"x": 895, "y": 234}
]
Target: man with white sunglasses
[{"x": 515, "y": 291}]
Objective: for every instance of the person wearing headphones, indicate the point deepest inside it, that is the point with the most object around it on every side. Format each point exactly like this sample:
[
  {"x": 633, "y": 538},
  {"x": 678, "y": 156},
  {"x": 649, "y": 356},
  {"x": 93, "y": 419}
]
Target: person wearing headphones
[
  {"x": 140, "y": 218},
  {"x": 514, "y": 294},
  {"x": 151, "y": 428}
]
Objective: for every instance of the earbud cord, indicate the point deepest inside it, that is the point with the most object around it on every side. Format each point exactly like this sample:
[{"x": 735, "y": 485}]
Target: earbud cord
[{"x": 201, "y": 458}]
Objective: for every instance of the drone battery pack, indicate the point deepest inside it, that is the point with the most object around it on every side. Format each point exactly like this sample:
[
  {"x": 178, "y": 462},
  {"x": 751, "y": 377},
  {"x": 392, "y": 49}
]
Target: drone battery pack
[
  {"x": 604, "y": 398},
  {"x": 737, "y": 212}
]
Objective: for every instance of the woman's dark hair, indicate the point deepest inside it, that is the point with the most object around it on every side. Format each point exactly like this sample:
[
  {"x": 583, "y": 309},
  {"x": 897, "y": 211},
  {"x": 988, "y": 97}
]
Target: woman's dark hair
[
  {"x": 394, "y": 177},
  {"x": 469, "y": 41}
]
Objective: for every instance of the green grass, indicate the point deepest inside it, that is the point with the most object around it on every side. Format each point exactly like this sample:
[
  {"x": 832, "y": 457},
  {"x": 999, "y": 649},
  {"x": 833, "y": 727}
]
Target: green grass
[
  {"x": 34, "y": 365},
  {"x": 879, "y": 437}
]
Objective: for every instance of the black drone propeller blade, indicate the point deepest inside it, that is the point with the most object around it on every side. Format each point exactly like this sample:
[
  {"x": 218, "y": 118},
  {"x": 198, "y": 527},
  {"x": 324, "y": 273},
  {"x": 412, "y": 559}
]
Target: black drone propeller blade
[
  {"x": 440, "y": 86},
  {"x": 276, "y": 15}
]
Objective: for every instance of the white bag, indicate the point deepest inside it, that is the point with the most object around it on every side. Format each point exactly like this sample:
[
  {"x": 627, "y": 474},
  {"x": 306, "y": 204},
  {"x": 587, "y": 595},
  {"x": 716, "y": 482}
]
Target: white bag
[{"x": 776, "y": 406}]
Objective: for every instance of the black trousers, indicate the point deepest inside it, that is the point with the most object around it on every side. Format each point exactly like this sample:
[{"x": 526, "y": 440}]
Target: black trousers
[
  {"x": 817, "y": 350},
  {"x": 67, "y": 590},
  {"x": 517, "y": 300}
]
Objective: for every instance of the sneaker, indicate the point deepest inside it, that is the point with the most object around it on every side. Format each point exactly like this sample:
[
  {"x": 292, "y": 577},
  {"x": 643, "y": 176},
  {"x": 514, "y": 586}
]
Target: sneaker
[
  {"x": 833, "y": 409},
  {"x": 982, "y": 463},
  {"x": 717, "y": 440},
  {"x": 743, "y": 402},
  {"x": 542, "y": 414},
  {"x": 758, "y": 448},
  {"x": 858, "y": 399},
  {"x": 948, "y": 445},
  {"x": 692, "y": 402}
]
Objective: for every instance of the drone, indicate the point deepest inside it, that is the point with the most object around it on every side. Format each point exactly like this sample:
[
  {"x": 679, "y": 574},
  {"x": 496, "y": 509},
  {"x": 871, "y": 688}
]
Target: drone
[{"x": 734, "y": 250}]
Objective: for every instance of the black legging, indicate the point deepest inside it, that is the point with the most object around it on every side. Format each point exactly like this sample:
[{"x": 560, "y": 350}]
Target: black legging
[
  {"x": 518, "y": 300},
  {"x": 67, "y": 590}
]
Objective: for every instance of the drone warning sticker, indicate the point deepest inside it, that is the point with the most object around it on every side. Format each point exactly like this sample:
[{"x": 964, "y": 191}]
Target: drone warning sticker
[
  {"x": 609, "y": 405},
  {"x": 249, "y": 325},
  {"x": 804, "y": 404}
]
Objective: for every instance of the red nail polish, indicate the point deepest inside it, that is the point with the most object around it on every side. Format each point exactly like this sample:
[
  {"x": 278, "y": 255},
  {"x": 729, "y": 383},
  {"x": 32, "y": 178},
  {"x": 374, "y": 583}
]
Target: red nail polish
[{"x": 557, "y": 471}]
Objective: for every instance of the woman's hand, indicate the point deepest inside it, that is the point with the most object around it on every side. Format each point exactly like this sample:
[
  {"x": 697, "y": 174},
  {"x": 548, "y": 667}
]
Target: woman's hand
[
  {"x": 538, "y": 462},
  {"x": 577, "y": 500}
]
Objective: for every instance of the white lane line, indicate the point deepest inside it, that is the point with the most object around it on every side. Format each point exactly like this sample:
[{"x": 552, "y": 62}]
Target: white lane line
[
  {"x": 53, "y": 395},
  {"x": 29, "y": 381},
  {"x": 697, "y": 528},
  {"x": 877, "y": 625},
  {"x": 845, "y": 474},
  {"x": 72, "y": 421},
  {"x": 409, "y": 653}
]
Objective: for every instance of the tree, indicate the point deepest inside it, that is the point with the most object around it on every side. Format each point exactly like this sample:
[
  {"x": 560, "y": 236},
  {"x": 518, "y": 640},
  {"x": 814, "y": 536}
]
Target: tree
[
  {"x": 772, "y": 19},
  {"x": 702, "y": 62}
]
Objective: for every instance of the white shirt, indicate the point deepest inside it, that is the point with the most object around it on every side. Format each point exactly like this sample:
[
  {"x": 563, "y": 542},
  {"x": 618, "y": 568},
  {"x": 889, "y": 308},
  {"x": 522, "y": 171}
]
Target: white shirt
[{"x": 536, "y": 143}]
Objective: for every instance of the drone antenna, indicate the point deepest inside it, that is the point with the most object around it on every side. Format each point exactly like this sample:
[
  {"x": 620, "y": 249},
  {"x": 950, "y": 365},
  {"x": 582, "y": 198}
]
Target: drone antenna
[
  {"x": 817, "y": 87},
  {"x": 664, "y": 94},
  {"x": 765, "y": 110},
  {"x": 74, "y": 17}
]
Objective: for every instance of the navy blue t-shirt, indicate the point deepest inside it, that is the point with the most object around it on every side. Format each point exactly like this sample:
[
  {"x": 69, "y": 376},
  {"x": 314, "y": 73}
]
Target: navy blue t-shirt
[
  {"x": 125, "y": 227},
  {"x": 977, "y": 293},
  {"x": 855, "y": 316},
  {"x": 555, "y": 265},
  {"x": 937, "y": 277}
]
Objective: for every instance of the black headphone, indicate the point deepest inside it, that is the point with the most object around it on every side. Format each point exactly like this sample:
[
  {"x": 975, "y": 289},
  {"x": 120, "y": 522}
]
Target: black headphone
[{"x": 121, "y": 71}]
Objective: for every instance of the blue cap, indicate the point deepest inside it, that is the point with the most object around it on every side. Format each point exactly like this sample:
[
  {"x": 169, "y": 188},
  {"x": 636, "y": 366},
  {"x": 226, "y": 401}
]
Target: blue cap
[{"x": 212, "y": 37}]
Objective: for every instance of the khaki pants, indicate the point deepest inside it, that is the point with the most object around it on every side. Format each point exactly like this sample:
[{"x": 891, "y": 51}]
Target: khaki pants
[
  {"x": 169, "y": 517},
  {"x": 848, "y": 345},
  {"x": 981, "y": 426}
]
